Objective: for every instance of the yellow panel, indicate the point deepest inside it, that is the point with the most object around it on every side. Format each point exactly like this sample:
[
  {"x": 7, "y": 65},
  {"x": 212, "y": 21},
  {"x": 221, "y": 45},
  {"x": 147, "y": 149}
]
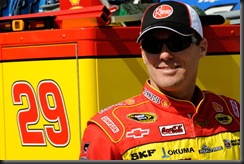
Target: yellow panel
[
  {"x": 2, "y": 124},
  {"x": 119, "y": 78},
  {"x": 220, "y": 74},
  {"x": 88, "y": 90},
  {"x": 64, "y": 74}
]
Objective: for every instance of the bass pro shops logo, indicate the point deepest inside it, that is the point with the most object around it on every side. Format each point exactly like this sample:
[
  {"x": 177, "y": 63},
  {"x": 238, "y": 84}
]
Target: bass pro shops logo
[{"x": 206, "y": 149}]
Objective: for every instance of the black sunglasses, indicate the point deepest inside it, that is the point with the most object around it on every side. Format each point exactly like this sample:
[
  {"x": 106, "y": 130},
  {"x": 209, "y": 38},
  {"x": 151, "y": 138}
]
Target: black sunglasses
[{"x": 174, "y": 43}]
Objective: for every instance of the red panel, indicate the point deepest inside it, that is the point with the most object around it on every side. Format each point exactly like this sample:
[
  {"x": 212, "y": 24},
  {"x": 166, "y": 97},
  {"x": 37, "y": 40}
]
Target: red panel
[
  {"x": 39, "y": 52},
  {"x": 223, "y": 38}
]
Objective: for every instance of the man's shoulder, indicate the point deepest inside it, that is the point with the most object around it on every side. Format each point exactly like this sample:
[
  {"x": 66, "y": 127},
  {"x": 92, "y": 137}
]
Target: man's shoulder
[
  {"x": 219, "y": 101},
  {"x": 111, "y": 119},
  {"x": 213, "y": 95},
  {"x": 127, "y": 103}
]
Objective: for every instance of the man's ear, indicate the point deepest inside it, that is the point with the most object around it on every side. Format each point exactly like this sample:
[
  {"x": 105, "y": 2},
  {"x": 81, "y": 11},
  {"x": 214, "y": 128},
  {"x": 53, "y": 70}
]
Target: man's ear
[
  {"x": 143, "y": 55},
  {"x": 203, "y": 47}
]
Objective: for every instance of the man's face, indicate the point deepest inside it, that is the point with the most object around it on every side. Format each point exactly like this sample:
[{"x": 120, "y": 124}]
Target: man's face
[{"x": 172, "y": 71}]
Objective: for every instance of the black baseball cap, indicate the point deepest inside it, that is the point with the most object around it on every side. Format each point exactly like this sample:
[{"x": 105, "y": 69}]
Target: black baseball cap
[{"x": 172, "y": 15}]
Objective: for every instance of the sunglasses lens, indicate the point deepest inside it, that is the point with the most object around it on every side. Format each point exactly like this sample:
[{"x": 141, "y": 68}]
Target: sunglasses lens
[
  {"x": 152, "y": 45},
  {"x": 174, "y": 44}
]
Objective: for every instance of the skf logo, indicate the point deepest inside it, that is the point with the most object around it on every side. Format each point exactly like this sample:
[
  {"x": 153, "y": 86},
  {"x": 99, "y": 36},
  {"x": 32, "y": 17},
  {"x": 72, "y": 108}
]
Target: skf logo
[
  {"x": 172, "y": 130},
  {"x": 143, "y": 154},
  {"x": 142, "y": 117},
  {"x": 137, "y": 133},
  {"x": 162, "y": 11},
  {"x": 224, "y": 119}
]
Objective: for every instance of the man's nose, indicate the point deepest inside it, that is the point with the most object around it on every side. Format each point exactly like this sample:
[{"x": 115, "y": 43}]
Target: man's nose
[{"x": 165, "y": 53}]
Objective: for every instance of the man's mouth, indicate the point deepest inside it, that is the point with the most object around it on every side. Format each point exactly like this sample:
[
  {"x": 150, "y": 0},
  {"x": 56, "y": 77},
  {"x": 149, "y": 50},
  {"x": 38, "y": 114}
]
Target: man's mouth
[{"x": 169, "y": 67}]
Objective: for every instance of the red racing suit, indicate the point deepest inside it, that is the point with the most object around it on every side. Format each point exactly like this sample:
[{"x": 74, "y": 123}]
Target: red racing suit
[{"x": 154, "y": 126}]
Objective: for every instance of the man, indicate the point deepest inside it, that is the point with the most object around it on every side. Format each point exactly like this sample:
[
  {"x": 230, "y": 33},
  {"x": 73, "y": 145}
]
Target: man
[{"x": 172, "y": 119}]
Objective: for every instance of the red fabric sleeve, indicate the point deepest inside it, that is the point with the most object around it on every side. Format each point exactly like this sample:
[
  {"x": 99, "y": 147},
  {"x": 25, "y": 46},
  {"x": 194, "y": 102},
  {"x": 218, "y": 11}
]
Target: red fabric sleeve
[{"x": 96, "y": 145}]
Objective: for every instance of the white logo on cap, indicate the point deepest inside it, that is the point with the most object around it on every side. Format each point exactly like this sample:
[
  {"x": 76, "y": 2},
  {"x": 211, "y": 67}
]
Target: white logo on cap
[{"x": 162, "y": 11}]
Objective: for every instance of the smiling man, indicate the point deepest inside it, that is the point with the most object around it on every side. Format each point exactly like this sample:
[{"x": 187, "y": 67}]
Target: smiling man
[{"x": 172, "y": 119}]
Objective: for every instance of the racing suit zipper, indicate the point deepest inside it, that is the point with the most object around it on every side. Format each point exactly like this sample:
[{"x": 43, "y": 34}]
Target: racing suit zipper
[
  {"x": 192, "y": 123},
  {"x": 191, "y": 116}
]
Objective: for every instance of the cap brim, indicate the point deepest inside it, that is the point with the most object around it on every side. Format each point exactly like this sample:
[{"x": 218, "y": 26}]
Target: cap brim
[{"x": 211, "y": 19}]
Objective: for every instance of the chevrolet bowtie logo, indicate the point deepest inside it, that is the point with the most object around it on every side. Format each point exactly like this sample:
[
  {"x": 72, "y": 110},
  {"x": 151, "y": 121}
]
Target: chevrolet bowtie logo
[{"x": 137, "y": 133}]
